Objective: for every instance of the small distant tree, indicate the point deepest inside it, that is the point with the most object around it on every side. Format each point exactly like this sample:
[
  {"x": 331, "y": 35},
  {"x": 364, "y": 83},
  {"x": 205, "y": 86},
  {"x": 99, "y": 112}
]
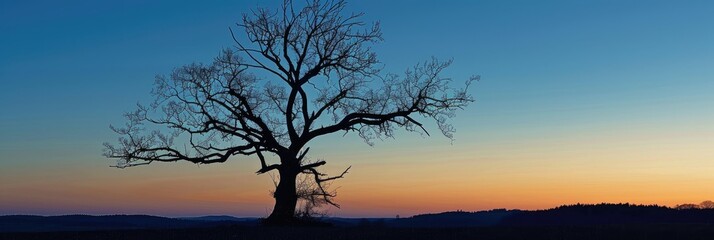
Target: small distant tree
[
  {"x": 706, "y": 205},
  {"x": 318, "y": 76},
  {"x": 687, "y": 206}
]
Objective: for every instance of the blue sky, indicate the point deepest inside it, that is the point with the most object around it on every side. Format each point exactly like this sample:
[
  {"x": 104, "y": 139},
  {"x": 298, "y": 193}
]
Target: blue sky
[{"x": 551, "y": 70}]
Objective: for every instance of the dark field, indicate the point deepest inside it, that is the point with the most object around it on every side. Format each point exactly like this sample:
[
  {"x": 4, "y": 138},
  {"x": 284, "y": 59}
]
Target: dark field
[
  {"x": 655, "y": 231},
  {"x": 576, "y": 222}
]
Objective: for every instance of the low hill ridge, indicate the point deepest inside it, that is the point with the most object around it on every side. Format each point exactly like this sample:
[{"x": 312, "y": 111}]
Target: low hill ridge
[{"x": 566, "y": 215}]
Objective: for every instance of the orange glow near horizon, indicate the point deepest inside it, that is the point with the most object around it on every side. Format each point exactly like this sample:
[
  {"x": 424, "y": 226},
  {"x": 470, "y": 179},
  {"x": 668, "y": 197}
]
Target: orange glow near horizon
[{"x": 430, "y": 178}]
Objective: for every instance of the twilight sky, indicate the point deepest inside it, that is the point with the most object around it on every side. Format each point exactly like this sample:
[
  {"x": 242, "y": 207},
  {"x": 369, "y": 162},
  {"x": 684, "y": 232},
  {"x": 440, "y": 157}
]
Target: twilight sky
[{"x": 580, "y": 101}]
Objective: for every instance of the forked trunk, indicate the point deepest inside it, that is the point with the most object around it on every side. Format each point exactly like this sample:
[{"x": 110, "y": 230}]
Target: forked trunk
[{"x": 285, "y": 199}]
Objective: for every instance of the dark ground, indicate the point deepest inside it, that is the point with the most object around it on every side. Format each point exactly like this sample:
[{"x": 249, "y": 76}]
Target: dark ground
[
  {"x": 570, "y": 222},
  {"x": 652, "y": 231}
]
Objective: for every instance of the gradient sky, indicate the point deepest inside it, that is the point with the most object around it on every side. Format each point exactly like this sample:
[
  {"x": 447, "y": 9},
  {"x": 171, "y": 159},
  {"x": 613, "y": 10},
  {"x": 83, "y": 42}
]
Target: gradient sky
[{"x": 580, "y": 101}]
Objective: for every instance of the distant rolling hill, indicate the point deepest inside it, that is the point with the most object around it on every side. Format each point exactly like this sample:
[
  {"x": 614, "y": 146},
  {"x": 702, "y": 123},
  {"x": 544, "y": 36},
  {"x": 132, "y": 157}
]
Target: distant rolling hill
[
  {"x": 456, "y": 219},
  {"x": 570, "y": 215},
  {"x": 219, "y": 218},
  {"x": 26, "y": 223}
]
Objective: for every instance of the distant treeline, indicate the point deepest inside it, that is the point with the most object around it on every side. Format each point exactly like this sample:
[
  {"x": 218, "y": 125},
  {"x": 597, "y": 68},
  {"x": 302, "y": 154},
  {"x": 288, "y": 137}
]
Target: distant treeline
[{"x": 577, "y": 214}]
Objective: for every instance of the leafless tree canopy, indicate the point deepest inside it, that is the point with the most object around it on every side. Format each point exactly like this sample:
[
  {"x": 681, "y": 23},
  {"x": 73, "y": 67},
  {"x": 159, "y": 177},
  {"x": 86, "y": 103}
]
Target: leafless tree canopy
[{"x": 294, "y": 75}]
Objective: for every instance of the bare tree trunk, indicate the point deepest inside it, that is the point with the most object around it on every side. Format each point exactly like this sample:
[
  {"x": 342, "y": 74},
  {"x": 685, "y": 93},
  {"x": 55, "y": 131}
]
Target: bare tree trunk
[{"x": 285, "y": 199}]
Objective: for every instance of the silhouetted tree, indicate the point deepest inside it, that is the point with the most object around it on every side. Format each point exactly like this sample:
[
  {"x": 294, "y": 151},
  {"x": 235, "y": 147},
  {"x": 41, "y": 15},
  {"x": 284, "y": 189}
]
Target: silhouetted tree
[{"x": 319, "y": 76}]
